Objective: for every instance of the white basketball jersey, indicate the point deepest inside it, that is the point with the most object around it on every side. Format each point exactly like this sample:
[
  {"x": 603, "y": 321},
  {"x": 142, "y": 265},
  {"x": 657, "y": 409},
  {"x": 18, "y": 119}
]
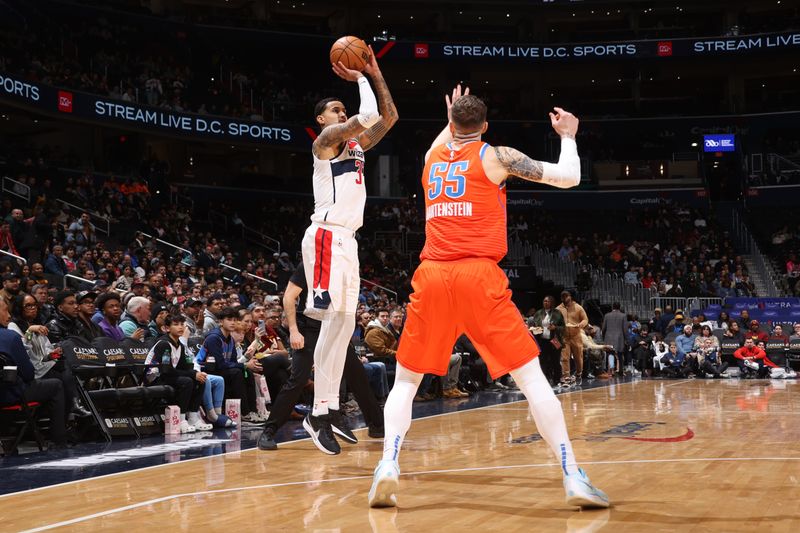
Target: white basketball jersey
[{"x": 339, "y": 190}]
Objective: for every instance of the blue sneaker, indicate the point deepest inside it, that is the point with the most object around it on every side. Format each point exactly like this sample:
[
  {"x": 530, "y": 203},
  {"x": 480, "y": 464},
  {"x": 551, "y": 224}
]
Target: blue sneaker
[
  {"x": 384, "y": 485},
  {"x": 581, "y": 492}
]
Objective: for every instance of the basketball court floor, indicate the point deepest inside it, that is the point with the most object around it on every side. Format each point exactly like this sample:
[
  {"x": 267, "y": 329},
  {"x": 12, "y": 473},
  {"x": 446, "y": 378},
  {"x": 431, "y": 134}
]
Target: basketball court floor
[{"x": 689, "y": 455}]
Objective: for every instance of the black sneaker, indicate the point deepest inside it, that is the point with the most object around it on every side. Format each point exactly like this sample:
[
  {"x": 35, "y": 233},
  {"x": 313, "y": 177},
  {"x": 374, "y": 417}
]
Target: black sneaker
[
  {"x": 340, "y": 426},
  {"x": 267, "y": 440},
  {"x": 376, "y": 432},
  {"x": 319, "y": 429}
]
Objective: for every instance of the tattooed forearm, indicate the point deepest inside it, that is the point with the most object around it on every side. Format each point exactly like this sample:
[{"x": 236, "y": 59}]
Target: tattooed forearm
[
  {"x": 388, "y": 112},
  {"x": 336, "y": 135},
  {"x": 518, "y": 164},
  {"x": 568, "y": 136}
]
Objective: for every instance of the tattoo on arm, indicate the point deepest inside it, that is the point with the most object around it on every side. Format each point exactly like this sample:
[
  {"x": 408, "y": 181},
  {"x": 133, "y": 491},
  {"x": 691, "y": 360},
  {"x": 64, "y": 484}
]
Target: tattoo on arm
[
  {"x": 518, "y": 164},
  {"x": 336, "y": 135},
  {"x": 388, "y": 112}
]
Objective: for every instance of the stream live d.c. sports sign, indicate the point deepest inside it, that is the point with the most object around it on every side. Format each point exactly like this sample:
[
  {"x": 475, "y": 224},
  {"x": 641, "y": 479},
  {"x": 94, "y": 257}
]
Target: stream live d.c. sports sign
[
  {"x": 656, "y": 48},
  {"x": 105, "y": 111}
]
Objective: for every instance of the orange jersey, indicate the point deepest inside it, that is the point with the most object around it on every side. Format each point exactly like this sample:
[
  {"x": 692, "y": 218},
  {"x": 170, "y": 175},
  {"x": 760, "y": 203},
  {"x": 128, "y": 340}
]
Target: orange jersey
[{"x": 465, "y": 213}]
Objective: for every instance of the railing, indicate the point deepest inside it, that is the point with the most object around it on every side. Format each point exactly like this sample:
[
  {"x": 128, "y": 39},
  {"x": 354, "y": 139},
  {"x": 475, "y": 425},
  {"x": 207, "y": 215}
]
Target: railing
[
  {"x": 17, "y": 257},
  {"x": 96, "y": 216},
  {"x": 256, "y": 237},
  {"x": 80, "y": 280},
  {"x": 749, "y": 245},
  {"x": 165, "y": 243},
  {"x": 17, "y": 188},
  {"x": 381, "y": 287},
  {"x": 248, "y": 274},
  {"x": 606, "y": 286},
  {"x": 687, "y": 305}
]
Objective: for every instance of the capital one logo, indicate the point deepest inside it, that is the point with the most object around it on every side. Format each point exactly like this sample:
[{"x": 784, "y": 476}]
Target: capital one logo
[
  {"x": 65, "y": 101},
  {"x": 421, "y": 50},
  {"x": 665, "y": 48}
]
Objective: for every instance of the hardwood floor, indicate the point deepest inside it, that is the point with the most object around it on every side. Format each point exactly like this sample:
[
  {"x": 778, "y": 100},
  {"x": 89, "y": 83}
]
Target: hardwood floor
[{"x": 699, "y": 455}]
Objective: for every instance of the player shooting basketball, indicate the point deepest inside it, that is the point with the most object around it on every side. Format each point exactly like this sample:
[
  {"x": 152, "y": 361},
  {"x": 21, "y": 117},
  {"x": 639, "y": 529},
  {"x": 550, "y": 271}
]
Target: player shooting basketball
[
  {"x": 330, "y": 250},
  {"x": 458, "y": 287}
]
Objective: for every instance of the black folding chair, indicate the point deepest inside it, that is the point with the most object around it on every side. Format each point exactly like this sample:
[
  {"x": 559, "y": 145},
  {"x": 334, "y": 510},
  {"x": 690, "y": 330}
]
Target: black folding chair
[{"x": 23, "y": 414}]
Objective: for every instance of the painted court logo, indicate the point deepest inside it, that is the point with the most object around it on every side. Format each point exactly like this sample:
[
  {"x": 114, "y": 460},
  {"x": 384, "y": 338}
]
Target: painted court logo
[{"x": 629, "y": 431}]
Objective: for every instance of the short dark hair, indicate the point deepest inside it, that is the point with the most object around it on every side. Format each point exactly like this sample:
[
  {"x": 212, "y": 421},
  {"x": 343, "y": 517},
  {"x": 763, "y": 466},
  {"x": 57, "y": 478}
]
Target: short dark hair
[
  {"x": 320, "y": 107},
  {"x": 381, "y": 310},
  {"x": 228, "y": 312},
  {"x": 468, "y": 113},
  {"x": 216, "y": 296},
  {"x": 174, "y": 319},
  {"x": 104, "y": 298},
  {"x": 615, "y": 305}
]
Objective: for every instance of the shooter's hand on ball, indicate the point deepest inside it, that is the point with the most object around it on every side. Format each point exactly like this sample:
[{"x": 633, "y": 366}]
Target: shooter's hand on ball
[
  {"x": 346, "y": 73},
  {"x": 371, "y": 68}
]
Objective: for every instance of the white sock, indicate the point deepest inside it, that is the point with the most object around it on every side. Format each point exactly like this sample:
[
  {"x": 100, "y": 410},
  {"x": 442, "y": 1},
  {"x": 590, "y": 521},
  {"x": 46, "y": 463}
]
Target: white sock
[
  {"x": 193, "y": 418},
  {"x": 183, "y": 417},
  {"x": 547, "y": 413},
  {"x": 211, "y": 414},
  {"x": 397, "y": 411}
]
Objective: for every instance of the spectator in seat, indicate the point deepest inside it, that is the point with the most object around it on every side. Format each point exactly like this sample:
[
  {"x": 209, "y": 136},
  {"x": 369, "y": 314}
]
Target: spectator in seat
[
  {"x": 685, "y": 342},
  {"x": 46, "y": 310},
  {"x": 158, "y": 314},
  {"x": 54, "y": 264},
  {"x": 673, "y": 361},
  {"x": 755, "y": 332},
  {"x": 211, "y": 317},
  {"x": 706, "y": 350},
  {"x": 135, "y": 323},
  {"x": 744, "y": 320},
  {"x": 677, "y": 323},
  {"x": 220, "y": 346},
  {"x": 46, "y": 391},
  {"x": 734, "y": 332},
  {"x": 42, "y": 353},
  {"x": 192, "y": 312},
  {"x": 10, "y": 288},
  {"x": 362, "y": 322},
  {"x": 86, "y": 310},
  {"x": 110, "y": 308},
  {"x": 657, "y": 323},
  {"x": 796, "y": 335},
  {"x": 170, "y": 364},
  {"x": 750, "y": 359},
  {"x": 6, "y": 240},
  {"x": 396, "y": 319},
  {"x": 378, "y": 337},
  {"x": 778, "y": 335},
  {"x": 65, "y": 322}
]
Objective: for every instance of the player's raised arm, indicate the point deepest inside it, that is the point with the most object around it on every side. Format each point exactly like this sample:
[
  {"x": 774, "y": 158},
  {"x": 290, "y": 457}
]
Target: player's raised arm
[
  {"x": 334, "y": 135},
  {"x": 388, "y": 111},
  {"x": 446, "y": 135},
  {"x": 503, "y": 161}
]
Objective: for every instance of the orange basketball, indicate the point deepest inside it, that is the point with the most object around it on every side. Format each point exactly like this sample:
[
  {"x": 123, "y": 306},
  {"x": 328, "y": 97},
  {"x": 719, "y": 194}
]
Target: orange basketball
[{"x": 351, "y": 51}]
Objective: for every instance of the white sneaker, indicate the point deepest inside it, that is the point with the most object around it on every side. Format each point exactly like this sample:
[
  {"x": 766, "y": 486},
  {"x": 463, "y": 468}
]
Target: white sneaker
[
  {"x": 385, "y": 484},
  {"x": 580, "y": 491},
  {"x": 186, "y": 427}
]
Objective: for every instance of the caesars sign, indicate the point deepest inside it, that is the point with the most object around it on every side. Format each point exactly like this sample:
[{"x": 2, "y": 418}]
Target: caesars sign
[{"x": 100, "y": 110}]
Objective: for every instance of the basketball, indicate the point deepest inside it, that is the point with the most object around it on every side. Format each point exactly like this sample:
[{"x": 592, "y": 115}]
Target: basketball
[{"x": 351, "y": 51}]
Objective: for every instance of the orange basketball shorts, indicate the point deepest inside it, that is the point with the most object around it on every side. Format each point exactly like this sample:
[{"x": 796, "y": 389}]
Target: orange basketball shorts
[{"x": 466, "y": 296}]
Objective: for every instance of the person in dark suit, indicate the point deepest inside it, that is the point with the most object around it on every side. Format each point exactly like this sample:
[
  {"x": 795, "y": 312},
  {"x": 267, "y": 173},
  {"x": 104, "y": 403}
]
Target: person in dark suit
[
  {"x": 49, "y": 391},
  {"x": 615, "y": 325}
]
